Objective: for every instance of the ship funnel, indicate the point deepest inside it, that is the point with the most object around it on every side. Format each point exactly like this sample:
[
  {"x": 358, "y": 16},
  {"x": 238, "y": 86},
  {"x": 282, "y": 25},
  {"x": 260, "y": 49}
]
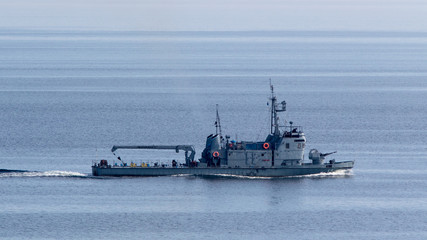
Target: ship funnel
[{"x": 215, "y": 142}]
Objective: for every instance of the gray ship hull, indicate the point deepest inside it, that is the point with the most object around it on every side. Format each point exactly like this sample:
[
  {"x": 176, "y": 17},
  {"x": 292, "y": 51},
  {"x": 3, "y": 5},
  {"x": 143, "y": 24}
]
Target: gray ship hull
[{"x": 305, "y": 169}]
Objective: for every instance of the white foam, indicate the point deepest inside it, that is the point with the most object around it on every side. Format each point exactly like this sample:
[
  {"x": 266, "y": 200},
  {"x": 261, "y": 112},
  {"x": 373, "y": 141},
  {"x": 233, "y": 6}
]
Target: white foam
[
  {"x": 338, "y": 173},
  {"x": 55, "y": 173}
]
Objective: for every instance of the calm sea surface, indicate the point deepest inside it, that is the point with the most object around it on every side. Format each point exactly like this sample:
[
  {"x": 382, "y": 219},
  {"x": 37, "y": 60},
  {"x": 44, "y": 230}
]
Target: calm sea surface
[{"x": 67, "y": 96}]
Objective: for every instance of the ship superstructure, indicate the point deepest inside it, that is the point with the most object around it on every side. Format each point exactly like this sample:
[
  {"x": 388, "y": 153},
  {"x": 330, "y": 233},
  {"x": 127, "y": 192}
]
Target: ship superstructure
[{"x": 284, "y": 146}]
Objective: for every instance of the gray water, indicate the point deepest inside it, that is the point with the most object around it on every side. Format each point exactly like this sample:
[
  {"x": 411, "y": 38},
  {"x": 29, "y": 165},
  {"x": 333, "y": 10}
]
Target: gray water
[{"x": 67, "y": 96}]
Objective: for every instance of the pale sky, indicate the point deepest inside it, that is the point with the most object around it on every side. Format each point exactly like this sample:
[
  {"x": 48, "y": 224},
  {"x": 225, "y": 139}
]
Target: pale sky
[{"x": 371, "y": 15}]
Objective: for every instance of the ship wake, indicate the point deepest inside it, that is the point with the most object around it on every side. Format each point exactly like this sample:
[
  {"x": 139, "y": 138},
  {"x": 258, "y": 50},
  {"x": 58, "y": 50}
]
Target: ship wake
[
  {"x": 55, "y": 173},
  {"x": 335, "y": 174}
]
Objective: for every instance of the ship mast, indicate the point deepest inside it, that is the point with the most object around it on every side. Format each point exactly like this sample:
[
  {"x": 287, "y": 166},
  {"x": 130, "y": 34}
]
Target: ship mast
[
  {"x": 273, "y": 118},
  {"x": 274, "y": 128},
  {"x": 218, "y": 124}
]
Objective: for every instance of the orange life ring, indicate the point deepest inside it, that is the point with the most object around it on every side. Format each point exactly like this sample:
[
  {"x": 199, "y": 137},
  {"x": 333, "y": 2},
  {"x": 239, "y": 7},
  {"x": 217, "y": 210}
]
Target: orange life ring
[
  {"x": 215, "y": 154},
  {"x": 266, "y": 145}
]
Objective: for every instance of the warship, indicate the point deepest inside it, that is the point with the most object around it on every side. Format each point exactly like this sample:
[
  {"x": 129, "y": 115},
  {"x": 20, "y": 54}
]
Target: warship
[{"x": 280, "y": 155}]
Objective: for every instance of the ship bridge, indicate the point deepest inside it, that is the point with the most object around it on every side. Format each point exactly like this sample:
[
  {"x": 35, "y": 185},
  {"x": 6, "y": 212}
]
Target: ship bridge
[{"x": 293, "y": 131}]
